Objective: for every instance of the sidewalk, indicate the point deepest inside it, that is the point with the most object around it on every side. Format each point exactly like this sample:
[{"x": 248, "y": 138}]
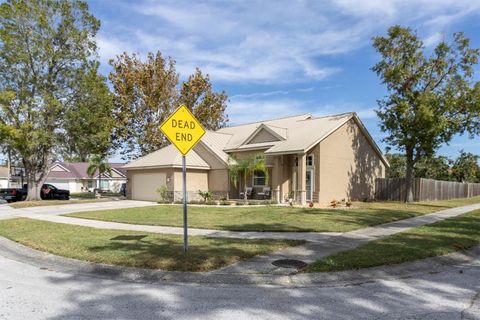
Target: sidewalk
[{"x": 320, "y": 244}]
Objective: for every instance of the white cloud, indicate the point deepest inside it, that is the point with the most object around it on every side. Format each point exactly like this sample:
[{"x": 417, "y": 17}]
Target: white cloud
[
  {"x": 433, "y": 39},
  {"x": 272, "y": 42}
]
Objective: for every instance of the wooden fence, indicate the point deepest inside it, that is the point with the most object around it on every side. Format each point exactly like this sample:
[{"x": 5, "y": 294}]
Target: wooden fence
[{"x": 394, "y": 189}]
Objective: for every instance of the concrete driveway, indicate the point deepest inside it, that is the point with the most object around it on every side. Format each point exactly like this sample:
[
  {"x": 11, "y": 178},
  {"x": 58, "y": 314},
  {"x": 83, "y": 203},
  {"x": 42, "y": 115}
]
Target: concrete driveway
[{"x": 7, "y": 212}]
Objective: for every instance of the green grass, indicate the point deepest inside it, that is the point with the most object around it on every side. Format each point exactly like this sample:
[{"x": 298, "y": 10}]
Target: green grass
[
  {"x": 42, "y": 203},
  {"x": 272, "y": 218},
  {"x": 436, "y": 239},
  {"x": 135, "y": 249}
]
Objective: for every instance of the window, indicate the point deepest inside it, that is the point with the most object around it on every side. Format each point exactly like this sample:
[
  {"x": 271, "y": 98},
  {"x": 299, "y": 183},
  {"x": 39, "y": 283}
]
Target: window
[
  {"x": 259, "y": 178},
  {"x": 296, "y": 161},
  {"x": 309, "y": 161}
]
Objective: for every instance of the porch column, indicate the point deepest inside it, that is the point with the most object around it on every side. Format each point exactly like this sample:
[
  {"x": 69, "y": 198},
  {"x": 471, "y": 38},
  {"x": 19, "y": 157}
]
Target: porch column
[
  {"x": 302, "y": 177},
  {"x": 276, "y": 172}
]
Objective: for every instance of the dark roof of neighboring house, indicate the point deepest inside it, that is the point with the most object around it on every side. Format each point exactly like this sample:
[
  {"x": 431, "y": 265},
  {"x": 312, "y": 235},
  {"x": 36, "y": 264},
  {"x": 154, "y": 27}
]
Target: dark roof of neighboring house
[{"x": 78, "y": 170}]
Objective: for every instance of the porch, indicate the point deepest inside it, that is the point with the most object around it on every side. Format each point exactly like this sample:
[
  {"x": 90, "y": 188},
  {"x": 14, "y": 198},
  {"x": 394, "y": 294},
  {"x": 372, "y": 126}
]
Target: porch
[{"x": 290, "y": 176}]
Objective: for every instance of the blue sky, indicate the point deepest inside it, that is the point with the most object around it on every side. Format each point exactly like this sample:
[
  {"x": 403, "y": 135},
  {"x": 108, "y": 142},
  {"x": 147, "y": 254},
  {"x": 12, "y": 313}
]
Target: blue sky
[{"x": 278, "y": 58}]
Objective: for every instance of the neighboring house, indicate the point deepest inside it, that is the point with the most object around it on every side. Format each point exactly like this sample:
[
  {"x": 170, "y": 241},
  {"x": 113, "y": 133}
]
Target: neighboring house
[
  {"x": 74, "y": 177},
  {"x": 316, "y": 159},
  {"x": 3, "y": 177}
]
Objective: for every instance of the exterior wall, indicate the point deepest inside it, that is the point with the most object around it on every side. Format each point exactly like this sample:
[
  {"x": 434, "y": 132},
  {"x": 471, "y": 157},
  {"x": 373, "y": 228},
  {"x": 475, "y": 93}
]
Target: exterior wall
[
  {"x": 218, "y": 183},
  {"x": 196, "y": 180},
  {"x": 263, "y": 136},
  {"x": 348, "y": 165}
]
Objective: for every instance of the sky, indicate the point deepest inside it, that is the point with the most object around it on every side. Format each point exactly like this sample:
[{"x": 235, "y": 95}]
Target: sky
[{"x": 280, "y": 58}]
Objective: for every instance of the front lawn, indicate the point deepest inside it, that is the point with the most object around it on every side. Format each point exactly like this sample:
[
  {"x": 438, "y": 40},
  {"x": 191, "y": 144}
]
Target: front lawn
[
  {"x": 274, "y": 218},
  {"x": 135, "y": 249},
  {"x": 436, "y": 239}
]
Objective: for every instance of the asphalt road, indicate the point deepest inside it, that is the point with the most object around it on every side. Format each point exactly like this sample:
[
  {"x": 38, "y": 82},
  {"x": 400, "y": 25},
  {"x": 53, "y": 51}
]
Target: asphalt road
[{"x": 28, "y": 292}]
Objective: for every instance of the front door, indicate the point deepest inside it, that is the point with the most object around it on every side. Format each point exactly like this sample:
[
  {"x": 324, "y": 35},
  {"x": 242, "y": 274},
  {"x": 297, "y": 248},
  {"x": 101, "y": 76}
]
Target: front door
[{"x": 309, "y": 184}]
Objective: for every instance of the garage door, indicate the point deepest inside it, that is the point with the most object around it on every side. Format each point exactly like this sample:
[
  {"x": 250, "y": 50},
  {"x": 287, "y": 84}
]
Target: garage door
[
  {"x": 59, "y": 185},
  {"x": 145, "y": 184}
]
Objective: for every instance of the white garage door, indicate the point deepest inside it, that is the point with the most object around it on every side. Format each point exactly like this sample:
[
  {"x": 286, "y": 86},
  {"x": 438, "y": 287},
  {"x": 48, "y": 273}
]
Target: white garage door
[
  {"x": 58, "y": 184},
  {"x": 145, "y": 184}
]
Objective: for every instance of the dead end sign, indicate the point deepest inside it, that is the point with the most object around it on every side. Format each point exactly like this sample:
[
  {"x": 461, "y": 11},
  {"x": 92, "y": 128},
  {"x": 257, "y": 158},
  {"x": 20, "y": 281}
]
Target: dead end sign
[{"x": 182, "y": 129}]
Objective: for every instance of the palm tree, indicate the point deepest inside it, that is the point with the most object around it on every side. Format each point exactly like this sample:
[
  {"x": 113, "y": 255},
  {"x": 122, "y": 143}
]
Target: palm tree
[
  {"x": 246, "y": 167},
  {"x": 97, "y": 163}
]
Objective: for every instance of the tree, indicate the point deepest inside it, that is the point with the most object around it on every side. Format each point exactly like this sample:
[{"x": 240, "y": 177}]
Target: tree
[
  {"x": 146, "y": 93},
  {"x": 44, "y": 45},
  {"x": 89, "y": 123},
  {"x": 435, "y": 167},
  {"x": 97, "y": 164},
  {"x": 397, "y": 165},
  {"x": 466, "y": 168},
  {"x": 429, "y": 98},
  {"x": 246, "y": 167}
]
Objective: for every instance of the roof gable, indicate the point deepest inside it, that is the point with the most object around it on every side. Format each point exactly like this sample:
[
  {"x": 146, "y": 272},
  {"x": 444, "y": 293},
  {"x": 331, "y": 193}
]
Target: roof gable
[{"x": 266, "y": 133}]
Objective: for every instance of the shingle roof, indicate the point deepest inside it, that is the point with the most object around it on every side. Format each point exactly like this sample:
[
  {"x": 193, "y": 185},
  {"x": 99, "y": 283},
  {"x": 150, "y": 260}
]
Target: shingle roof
[
  {"x": 168, "y": 156},
  {"x": 297, "y": 134},
  {"x": 78, "y": 170}
]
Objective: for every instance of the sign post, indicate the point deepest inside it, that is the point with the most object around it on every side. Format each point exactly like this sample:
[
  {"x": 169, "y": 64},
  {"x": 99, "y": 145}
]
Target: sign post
[{"x": 184, "y": 131}]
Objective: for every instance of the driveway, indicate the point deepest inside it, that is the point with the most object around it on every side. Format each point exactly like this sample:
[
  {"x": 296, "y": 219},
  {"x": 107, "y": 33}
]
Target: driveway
[{"x": 7, "y": 212}]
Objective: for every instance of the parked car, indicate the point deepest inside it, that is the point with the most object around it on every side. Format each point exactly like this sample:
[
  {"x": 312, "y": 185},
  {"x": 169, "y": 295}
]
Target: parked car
[
  {"x": 13, "y": 194},
  {"x": 47, "y": 192}
]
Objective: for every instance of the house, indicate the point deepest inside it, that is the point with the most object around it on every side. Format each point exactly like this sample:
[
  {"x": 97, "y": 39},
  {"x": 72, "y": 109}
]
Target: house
[
  {"x": 4, "y": 176},
  {"x": 315, "y": 159},
  {"x": 73, "y": 176}
]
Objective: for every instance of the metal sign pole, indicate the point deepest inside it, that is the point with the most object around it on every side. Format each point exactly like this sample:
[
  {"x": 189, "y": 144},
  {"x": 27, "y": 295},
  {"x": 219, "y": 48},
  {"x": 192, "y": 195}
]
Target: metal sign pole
[{"x": 185, "y": 228}]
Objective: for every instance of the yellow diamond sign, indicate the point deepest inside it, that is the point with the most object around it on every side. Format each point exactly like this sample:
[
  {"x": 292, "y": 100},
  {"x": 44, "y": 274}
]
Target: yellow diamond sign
[{"x": 182, "y": 129}]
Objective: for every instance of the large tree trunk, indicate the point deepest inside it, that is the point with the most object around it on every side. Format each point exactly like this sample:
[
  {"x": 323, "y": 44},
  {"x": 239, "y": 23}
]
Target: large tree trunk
[
  {"x": 409, "y": 179},
  {"x": 35, "y": 175}
]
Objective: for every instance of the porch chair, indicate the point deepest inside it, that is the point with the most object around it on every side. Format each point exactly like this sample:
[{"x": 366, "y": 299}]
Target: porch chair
[
  {"x": 249, "y": 193},
  {"x": 265, "y": 193}
]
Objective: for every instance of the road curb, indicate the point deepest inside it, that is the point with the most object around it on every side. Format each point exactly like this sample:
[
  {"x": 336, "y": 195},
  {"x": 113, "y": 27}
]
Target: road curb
[{"x": 455, "y": 261}]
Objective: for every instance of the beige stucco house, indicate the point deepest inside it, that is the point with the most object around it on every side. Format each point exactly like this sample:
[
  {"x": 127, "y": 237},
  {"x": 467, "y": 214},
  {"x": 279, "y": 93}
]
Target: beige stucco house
[{"x": 316, "y": 159}]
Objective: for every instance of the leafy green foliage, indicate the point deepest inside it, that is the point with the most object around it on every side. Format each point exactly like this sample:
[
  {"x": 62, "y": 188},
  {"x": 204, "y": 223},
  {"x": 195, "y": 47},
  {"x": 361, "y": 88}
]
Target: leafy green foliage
[
  {"x": 429, "y": 98},
  {"x": 466, "y": 168},
  {"x": 98, "y": 165},
  {"x": 163, "y": 194},
  {"x": 44, "y": 46},
  {"x": 147, "y": 92},
  {"x": 89, "y": 124},
  {"x": 246, "y": 167},
  {"x": 206, "y": 195},
  {"x": 463, "y": 169}
]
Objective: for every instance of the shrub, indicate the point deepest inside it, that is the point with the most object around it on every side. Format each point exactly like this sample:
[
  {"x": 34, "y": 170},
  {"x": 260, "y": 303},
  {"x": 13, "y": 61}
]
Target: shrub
[
  {"x": 348, "y": 203},
  {"x": 334, "y": 203},
  {"x": 206, "y": 195},
  {"x": 163, "y": 194}
]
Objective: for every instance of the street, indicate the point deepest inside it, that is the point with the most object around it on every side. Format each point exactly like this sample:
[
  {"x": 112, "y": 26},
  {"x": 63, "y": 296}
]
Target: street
[{"x": 29, "y": 292}]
